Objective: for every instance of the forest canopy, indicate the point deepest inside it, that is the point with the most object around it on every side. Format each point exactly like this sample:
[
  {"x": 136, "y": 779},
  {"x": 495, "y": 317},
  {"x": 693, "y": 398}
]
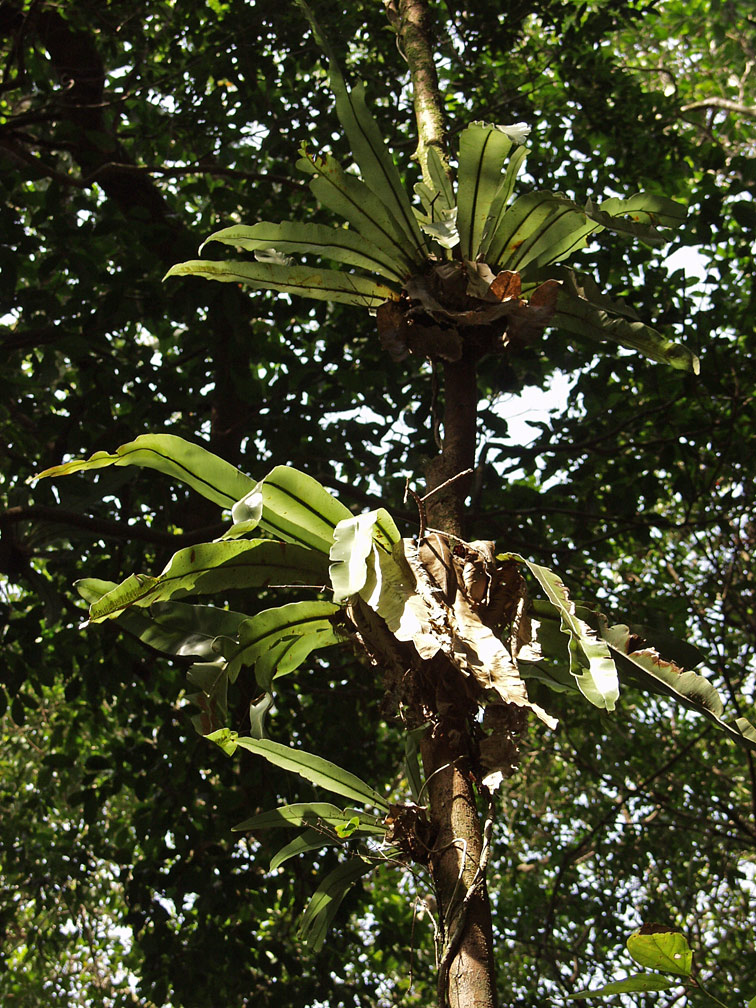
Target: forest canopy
[{"x": 129, "y": 132}]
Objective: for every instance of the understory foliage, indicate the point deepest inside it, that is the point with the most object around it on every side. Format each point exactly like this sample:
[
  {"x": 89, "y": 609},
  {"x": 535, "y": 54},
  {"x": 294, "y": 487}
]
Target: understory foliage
[{"x": 157, "y": 122}]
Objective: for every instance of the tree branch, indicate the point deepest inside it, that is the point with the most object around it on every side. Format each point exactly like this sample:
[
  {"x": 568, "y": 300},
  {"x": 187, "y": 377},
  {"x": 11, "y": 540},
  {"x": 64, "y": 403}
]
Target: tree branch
[{"x": 721, "y": 103}]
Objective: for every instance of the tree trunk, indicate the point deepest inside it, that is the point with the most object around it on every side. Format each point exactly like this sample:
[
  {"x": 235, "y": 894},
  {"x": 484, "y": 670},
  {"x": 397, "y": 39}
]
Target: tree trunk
[{"x": 466, "y": 976}]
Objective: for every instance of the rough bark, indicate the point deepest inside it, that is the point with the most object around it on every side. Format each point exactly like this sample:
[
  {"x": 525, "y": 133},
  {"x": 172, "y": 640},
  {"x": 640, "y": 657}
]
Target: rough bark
[
  {"x": 413, "y": 27},
  {"x": 466, "y": 962}
]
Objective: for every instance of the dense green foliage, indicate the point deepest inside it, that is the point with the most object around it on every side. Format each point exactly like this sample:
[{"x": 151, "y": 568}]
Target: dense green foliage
[{"x": 129, "y": 129}]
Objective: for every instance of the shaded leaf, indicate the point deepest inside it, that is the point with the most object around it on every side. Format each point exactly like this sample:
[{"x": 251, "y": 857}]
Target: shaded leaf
[
  {"x": 327, "y": 899},
  {"x": 277, "y": 640},
  {"x": 635, "y": 983},
  {"x": 315, "y": 769},
  {"x": 310, "y": 839},
  {"x": 321, "y": 285},
  {"x": 578, "y": 315},
  {"x": 215, "y": 567},
  {"x": 645, "y": 668},
  {"x": 338, "y": 244}
]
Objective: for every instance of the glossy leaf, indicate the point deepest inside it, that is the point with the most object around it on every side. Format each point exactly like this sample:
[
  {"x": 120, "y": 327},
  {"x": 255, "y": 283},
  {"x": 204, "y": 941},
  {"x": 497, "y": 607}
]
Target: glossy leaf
[
  {"x": 327, "y": 899},
  {"x": 188, "y": 463},
  {"x": 483, "y": 151},
  {"x": 276, "y": 641},
  {"x": 351, "y": 199},
  {"x": 215, "y": 567},
  {"x": 321, "y": 772},
  {"x": 667, "y": 951},
  {"x": 296, "y": 508},
  {"x": 337, "y": 244},
  {"x": 590, "y": 660},
  {"x": 320, "y": 285},
  {"x": 353, "y": 542}
]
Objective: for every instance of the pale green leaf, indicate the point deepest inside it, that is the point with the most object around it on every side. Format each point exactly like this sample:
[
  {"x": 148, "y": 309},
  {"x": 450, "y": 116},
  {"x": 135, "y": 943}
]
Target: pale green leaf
[
  {"x": 309, "y": 840},
  {"x": 483, "y": 151},
  {"x": 375, "y": 161},
  {"x": 327, "y": 899},
  {"x": 299, "y": 814},
  {"x": 258, "y": 711},
  {"x": 351, "y": 199},
  {"x": 276, "y": 641},
  {"x": 320, "y": 285},
  {"x": 353, "y": 543},
  {"x": 443, "y": 192},
  {"x": 337, "y": 244},
  {"x": 640, "y": 215},
  {"x": 501, "y": 200},
  {"x": 590, "y": 660},
  {"x": 667, "y": 951},
  {"x": 192, "y": 464},
  {"x": 296, "y": 508},
  {"x": 320, "y": 772},
  {"x": 368, "y": 146},
  {"x": 530, "y": 217},
  {"x": 634, "y": 984},
  {"x": 208, "y": 568},
  {"x": 752, "y": 1002}
]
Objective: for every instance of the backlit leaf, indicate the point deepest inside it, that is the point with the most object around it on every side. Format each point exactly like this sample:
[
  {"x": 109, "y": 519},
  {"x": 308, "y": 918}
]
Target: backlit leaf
[
  {"x": 189, "y": 463},
  {"x": 667, "y": 951},
  {"x": 320, "y": 285}
]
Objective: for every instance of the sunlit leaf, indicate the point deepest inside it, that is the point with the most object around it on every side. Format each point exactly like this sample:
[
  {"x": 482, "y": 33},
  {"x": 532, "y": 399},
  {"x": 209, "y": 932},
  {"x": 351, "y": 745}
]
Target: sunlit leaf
[
  {"x": 315, "y": 769},
  {"x": 667, "y": 951},
  {"x": 483, "y": 151},
  {"x": 296, "y": 508},
  {"x": 189, "y": 463},
  {"x": 314, "y": 814},
  {"x": 351, "y": 199},
  {"x": 208, "y": 568},
  {"x": 353, "y": 543},
  {"x": 368, "y": 146},
  {"x": 590, "y": 660}
]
